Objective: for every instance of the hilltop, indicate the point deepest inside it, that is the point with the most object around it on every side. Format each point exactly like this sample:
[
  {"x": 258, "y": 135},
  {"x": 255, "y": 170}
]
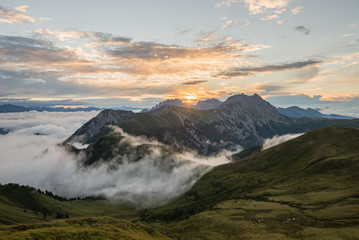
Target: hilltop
[{"x": 303, "y": 187}]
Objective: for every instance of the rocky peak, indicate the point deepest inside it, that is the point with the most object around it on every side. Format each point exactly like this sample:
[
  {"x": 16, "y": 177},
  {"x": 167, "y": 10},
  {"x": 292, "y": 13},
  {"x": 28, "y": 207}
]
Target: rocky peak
[
  {"x": 87, "y": 132},
  {"x": 211, "y": 103},
  {"x": 250, "y": 106},
  {"x": 173, "y": 102}
]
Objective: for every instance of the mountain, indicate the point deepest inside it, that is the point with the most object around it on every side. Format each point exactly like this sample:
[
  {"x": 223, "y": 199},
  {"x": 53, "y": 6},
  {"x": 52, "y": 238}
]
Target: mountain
[
  {"x": 96, "y": 127},
  {"x": 208, "y": 104},
  {"x": 173, "y": 102},
  {"x": 309, "y": 112},
  {"x": 240, "y": 121},
  {"x": 6, "y": 108},
  {"x": 305, "y": 188}
]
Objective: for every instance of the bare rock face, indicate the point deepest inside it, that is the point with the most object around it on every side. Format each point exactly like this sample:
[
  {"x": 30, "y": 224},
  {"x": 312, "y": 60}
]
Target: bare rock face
[
  {"x": 212, "y": 103},
  {"x": 90, "y": 131}
]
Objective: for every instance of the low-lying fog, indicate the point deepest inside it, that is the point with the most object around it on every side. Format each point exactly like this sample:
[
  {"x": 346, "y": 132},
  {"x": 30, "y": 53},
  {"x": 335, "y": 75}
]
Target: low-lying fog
[{"x": 29, "y": 155}]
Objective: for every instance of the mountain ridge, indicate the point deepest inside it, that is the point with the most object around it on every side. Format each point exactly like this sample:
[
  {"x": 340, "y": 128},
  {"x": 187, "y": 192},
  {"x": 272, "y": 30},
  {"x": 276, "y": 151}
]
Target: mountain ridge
[{"x": 241, "y": 121}]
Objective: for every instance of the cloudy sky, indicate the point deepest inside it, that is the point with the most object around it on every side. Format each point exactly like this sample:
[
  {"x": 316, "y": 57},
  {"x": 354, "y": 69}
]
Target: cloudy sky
[{"x": 115, "y": 52}]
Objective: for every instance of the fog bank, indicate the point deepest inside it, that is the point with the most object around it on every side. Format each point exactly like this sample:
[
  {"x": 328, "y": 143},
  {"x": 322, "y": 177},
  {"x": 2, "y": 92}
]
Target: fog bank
[{"x": 29, "y": 155}]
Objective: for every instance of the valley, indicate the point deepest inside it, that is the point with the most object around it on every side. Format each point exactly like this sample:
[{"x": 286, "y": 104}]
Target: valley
[{"x": 303, "y": 188}]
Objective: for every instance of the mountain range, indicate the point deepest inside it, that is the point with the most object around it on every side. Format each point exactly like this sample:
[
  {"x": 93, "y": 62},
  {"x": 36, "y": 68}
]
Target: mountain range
[
  {"x": 309, "y": 112},
  {"x": 240, "y": 122},
  {"x": 7, "y": 108}
]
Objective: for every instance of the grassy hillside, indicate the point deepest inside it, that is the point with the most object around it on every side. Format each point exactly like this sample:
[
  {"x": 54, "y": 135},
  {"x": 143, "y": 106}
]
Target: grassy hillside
[
  {"x": 304, "y": 188},
  {"x": 81, "y": 228},
  {"x": 23, "y": 204},
  {"x": 26, "y": 213}
]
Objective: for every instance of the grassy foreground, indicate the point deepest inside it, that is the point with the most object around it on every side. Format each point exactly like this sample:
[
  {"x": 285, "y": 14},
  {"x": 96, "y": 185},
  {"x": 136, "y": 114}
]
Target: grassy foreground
[
  {"x": 306, "y": 188},
  {"x": 81, "y": 228}
]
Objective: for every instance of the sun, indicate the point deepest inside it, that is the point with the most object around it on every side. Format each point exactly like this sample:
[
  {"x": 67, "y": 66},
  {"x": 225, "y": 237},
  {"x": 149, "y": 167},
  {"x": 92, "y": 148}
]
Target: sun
[{"x": 190, "y": 99}]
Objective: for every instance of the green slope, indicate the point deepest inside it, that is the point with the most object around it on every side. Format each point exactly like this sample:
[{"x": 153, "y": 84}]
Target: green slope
[
  {"x": 304, "y": 188},
  {"x": 24, "y": 204},
  {"x": 26, "y": 213},
  {"x": 81, "y": 228}
]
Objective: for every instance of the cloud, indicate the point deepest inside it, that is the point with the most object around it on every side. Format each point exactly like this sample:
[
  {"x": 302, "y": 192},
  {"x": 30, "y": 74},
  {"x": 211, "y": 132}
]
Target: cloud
[
  {"x": 43, "y": 19},
  {"x": 353, "y": 25},
  {"x": 350, "y": 56},
  {"x": 257, "y": 6},
  {"x": 22, "y": 8},
  {"x": 270, "y": 17},
  {"x": 196, "y": 82},
  {"x": 305, "y": 74},
  {"x": 276, "y": 140},
  {"x": 296, "y": 10},
  {"x": 267, "y": 88},
  {"x": 32, "y": 51},
  {"x": 302, "y": 29},
  {"x": 108, "y": 66},
  {"x": 17, "y": 16},
  {"x": 30, "y": 156},
  {"x": 60, "y": 35},
  {"x": 261, "y": 6},
  {"x": 300, "y": 99},
  {"x": 248, "y": 71}
]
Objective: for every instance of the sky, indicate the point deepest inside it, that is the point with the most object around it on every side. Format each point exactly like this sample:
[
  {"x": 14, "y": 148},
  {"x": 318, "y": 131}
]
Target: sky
[{"x": 113, "y": 53}]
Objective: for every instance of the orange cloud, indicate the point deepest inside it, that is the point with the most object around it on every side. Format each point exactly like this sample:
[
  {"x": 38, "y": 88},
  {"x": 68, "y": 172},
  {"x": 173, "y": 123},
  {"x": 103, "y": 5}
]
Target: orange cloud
[{"x": 17, "y": 16}]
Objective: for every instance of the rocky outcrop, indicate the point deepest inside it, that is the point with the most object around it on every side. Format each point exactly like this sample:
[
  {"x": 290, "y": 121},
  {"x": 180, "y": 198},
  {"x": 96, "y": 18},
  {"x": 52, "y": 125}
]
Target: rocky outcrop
[
  {"x": 212, "y": 103},
  {"x": 96, "y": 127}
]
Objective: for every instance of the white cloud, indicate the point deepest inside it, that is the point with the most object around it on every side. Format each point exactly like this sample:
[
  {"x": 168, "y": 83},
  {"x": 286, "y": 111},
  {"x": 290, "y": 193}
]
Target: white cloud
[
  {"x": 274, "y": 8},
  {"x": 229, "y": 22},
  {"x": 22, "y": 8},
  {"x": 30, "y": 156},
  {"x": 296, "y": 10},
  {"x": 270, "y": 17},
  {"x": 61, "y": 35},
  {"x": 276, "y": 140},
  {"x": 261, "y": 6},
  {"x": 43, "y": 19}
]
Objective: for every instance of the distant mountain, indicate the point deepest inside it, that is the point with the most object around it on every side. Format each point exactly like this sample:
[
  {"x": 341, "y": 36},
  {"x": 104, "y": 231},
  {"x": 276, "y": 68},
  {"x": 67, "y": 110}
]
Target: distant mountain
[
  {"x": 4, "y": 131},
  {"x": 309, "y": 112},
  {"x": 172, "y": 102},
  {"x": 208, "y": 104},
  {"x": 7, "y": 108},
  {"x": 62, "y": 109}
]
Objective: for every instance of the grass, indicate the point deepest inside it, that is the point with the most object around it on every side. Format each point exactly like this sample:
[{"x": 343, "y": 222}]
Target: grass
[
  {"x": 303, "y": 189},
  {"x": 81, "y": 228},
  {"x": 23, "y": 204},
  {"x": 251, "y": 219}
]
